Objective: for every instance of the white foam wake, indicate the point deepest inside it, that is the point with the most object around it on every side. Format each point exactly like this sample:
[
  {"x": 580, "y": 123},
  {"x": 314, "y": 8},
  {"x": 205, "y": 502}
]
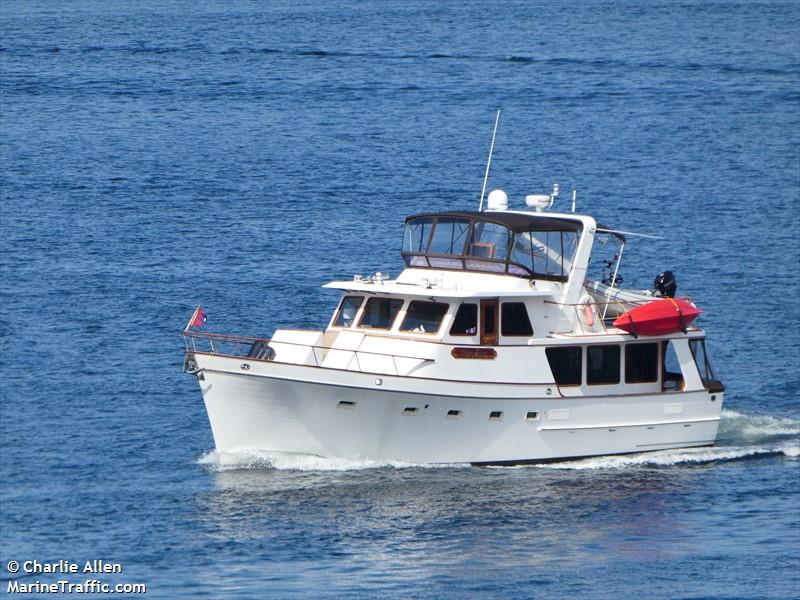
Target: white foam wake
[
  {"x": 755, "y": 427},
  {"x": 258, "y": 459},
  {"x": 665, "y": 458},
  {"x": 740, "y": 436}
]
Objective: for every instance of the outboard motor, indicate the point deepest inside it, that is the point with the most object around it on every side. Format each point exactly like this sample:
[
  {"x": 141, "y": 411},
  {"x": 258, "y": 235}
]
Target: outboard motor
[{"x": 666, "y": 284}]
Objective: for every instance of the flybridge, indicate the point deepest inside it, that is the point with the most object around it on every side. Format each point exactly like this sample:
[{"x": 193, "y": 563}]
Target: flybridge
[{"x": 521, "y": 244}]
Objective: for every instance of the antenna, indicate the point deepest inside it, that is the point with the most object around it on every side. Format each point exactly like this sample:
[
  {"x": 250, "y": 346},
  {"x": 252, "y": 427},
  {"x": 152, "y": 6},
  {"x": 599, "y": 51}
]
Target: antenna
[
  {"x": 574, "y": 197},
  {"x": 489, "y": 162}
]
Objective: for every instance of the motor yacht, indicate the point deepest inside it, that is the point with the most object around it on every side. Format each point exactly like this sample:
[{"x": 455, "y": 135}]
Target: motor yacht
[{"x": 493, "y": 346}]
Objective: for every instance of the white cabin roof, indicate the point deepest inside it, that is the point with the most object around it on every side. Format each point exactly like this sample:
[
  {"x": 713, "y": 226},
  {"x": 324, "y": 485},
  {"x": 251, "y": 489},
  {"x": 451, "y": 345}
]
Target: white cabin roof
[{"x": 397, "y": 288}]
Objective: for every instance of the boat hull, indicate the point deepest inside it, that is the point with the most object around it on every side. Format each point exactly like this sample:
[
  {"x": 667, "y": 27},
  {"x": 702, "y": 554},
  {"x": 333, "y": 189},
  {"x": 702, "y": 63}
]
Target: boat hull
[{"x": 282, "y": 410}]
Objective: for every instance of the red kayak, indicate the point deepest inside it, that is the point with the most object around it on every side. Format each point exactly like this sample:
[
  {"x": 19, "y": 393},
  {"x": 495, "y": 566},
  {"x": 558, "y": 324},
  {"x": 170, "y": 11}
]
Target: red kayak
[{"x": 658, "y": 317}]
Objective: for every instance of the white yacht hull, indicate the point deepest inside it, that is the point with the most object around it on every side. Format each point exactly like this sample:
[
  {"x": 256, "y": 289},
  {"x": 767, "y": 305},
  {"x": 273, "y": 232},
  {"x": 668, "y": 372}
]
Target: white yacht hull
[{"x": 296, "y": 409}]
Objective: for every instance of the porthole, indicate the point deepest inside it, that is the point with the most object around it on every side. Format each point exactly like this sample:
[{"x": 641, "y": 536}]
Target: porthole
[
  {"x": 532, "y": 416},
  {"x": 346, "y": 404},
  {"x": 453, "y": 414},
  {"x": 495, "y": 415},
  {"x": 410, "y": 410}
]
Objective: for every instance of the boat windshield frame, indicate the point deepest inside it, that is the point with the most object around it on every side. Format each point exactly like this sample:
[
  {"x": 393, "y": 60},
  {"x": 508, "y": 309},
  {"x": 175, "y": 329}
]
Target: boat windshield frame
[{"x": 476, "y": 243}]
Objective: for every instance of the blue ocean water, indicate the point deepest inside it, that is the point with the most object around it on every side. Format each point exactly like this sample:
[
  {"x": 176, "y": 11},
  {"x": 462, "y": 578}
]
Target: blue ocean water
[{"x": 158, "y": 155}]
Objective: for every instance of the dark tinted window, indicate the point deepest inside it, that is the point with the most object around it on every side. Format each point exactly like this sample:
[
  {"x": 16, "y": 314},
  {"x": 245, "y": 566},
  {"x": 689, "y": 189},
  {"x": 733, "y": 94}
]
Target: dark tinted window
[
  {"x": 424, "y": 317},
  {"x": 379, "y": 313},
  {"x": 641, "y": 363},
  {"x": 565, "y": 363},
  {"x": 347, "y": 311},
  {"x": 602, "y": 365},
  {"x": 466, "y": 321},
  {"x": 514, "y": 319}
]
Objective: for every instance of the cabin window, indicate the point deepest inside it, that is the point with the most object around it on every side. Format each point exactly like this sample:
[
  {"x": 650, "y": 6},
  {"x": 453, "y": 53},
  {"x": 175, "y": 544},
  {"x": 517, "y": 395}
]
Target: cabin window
[
  {"x": 514, "y": 319},
  {"x": 466, "y": 321},
  {"x": 424, "y": 317},
  {"x": 347, "y": 311},
  {"x": 565, "y": 363},
  {"x": 641, "y": 363},
  {"x": 379, "y": 313},
  {"x": 415, "y": 239},
  {"x": 602, "y": 365},
  {"x": 672, "y": 378}
]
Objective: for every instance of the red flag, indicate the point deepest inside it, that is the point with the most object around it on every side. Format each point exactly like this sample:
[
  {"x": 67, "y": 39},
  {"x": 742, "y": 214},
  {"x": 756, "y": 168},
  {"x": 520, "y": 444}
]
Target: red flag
[{"x": 199, "y": 318}]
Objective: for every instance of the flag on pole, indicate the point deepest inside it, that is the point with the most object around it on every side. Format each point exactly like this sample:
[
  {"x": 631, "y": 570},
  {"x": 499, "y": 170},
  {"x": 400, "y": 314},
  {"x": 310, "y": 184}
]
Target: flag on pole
[{"x": 199, "y": 318}]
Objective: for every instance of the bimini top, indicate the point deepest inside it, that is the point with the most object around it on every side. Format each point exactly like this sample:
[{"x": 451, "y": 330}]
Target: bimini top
[{"x": 520, "y": 244}]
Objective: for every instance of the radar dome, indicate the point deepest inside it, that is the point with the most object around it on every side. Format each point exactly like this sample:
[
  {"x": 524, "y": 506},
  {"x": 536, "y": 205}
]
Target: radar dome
[{"x": 498, "y": 200}]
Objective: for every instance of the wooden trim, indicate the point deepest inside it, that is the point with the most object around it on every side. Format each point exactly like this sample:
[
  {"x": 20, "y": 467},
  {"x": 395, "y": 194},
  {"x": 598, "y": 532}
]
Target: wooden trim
[
  {"x": 472, "y": 352},
  {"x": 489, "y": 339}
]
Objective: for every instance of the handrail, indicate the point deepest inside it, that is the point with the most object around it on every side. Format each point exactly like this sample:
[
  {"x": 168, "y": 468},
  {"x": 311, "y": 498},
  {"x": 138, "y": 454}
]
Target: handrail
[
  {"x": 221, "y": 337},
  {"x": 621, "y": 302}
]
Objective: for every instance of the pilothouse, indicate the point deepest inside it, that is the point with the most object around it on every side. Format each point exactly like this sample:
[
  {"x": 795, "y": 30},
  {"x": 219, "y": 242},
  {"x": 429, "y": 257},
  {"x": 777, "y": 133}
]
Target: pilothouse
[{"x": 492, "y": 346}]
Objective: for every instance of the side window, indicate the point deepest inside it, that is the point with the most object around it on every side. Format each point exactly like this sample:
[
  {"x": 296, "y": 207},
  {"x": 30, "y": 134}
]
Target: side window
[
  {"x": 424, "y": 317},
  {"x": 602, "y": 365},
  {"x": 672, "y": 378},
  {"x": 466, "y": 320},
  {"x": 347, "y": 311},
  {"x": 641, "y": 363},
  {"x": 514, "y": 319},
  {"x": 701, "y": 359},
  {"x": 379, "y": 313},
  {"x": 565, "y": 363}
]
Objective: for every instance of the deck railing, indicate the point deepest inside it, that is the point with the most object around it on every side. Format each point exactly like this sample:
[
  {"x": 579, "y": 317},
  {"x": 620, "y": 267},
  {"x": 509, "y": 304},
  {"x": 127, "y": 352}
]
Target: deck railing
[
  {"x": 255, "y": 348},
  {"x": 590, "y": 315}
]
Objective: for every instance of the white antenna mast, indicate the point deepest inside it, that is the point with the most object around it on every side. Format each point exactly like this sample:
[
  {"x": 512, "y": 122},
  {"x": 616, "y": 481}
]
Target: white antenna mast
[
  {"x": 574, "y": 197},
  {"x": 489, "y": 162}
]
